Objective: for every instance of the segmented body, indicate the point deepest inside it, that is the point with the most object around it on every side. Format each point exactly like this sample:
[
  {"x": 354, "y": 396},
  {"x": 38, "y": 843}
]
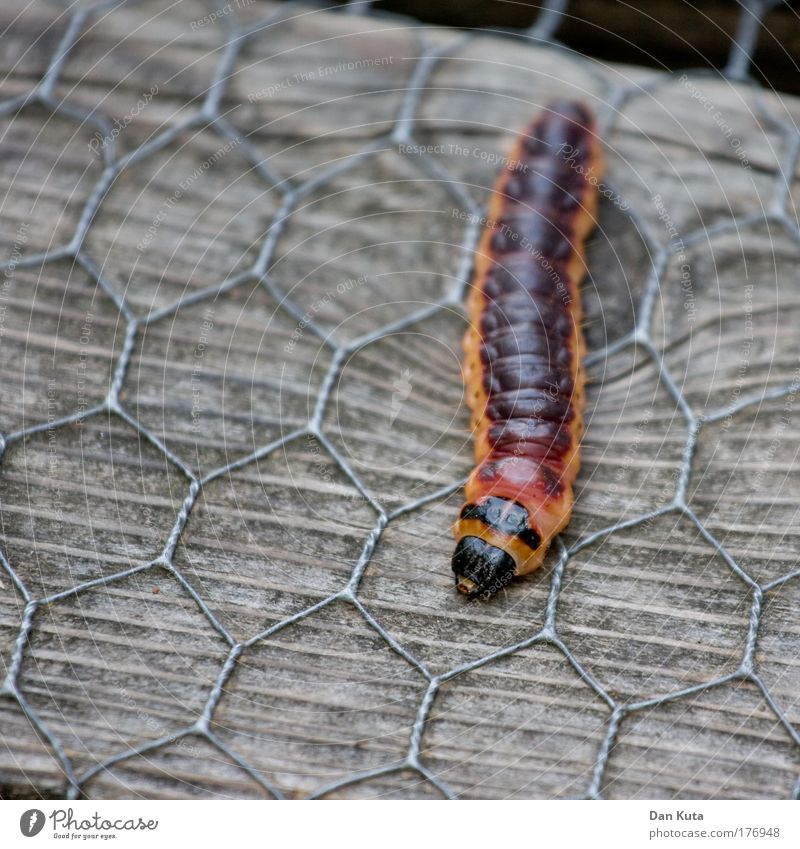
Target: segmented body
[{"x": 523, "y": 352}]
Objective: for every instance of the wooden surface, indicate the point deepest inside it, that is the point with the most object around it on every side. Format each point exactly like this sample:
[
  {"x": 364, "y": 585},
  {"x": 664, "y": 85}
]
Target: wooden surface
[{"x": 647, "y": 611}]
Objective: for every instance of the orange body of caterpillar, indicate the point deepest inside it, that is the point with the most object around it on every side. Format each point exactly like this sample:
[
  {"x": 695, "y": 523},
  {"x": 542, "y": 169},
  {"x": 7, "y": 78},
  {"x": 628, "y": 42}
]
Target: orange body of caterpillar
[{"x": 523, "y": 351}]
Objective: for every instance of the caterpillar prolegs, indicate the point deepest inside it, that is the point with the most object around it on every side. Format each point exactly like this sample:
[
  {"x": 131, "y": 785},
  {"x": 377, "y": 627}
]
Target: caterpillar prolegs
[{"x": 523, "y": 351}]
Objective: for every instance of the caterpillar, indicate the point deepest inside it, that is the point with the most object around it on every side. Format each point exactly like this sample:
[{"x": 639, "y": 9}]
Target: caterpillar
[{"x": 523, "y": 351}]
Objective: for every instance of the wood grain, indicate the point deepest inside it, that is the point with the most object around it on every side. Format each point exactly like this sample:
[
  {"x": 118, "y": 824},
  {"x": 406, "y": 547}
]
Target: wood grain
[{"x": 646, "y": 611}]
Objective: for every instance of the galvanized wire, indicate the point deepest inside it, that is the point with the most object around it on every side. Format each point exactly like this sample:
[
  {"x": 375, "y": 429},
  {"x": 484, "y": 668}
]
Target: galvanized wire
[{"x": 209, "y": 116}]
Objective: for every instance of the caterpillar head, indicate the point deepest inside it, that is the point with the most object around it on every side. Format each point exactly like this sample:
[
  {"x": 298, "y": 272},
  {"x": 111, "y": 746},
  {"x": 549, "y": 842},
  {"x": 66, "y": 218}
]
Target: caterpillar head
[
  {"x": 494, "y": 541},
  {"x": 481, "y": 568}
]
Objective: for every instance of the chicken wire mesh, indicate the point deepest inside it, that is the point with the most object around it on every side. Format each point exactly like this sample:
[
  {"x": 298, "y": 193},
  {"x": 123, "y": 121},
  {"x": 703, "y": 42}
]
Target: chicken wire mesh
[{"x": 269, "y": 673}]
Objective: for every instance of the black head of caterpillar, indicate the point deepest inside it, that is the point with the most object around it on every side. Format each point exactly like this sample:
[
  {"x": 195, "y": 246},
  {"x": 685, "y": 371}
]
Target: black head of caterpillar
[{"x": 482, "y": 568}]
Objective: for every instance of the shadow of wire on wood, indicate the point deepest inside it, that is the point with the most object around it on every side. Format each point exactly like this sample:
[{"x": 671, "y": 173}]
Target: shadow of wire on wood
[{"x": 235, "y": 434}]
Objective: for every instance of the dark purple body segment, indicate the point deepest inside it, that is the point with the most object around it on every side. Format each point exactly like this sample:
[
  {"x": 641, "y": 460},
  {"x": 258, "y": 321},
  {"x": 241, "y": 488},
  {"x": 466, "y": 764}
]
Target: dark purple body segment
[{"x": 530, "y": 306}]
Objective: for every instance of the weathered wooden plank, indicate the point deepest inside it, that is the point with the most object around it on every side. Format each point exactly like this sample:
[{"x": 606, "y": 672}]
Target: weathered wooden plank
[{"x": 647, "y": 611}]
